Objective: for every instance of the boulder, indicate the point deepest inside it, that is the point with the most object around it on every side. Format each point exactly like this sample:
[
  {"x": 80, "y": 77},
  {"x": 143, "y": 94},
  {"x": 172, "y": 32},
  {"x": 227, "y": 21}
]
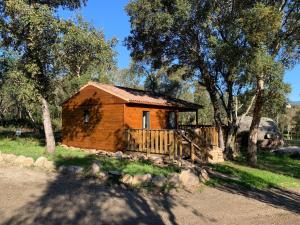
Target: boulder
[
  {"x": 174, "y": 180},
  {"x": 142, "y": 157},
  {"x": 45, "y": 164},
  {"x": 40, "y": 162},
  {"x": 159, "y": 181},
  {"x": 74, "y": 170},
  {"x": 24, "y": 161},
  {"x": 141, "y": 179},
  {"x": 156, "y": 159},
  {"x": 62, "y": 169},
  {"x": 95, "y": 169},
  {"x": 291, "y": 150},
  {"x": 127, "y": 179},
  {"x": 203, "y": 176},
  {"x": 49, "y": 165},
  {"x": 10, "y": 158},
  {"x": 189, "y": 179},
  {"x": 103, "y": 176},
  {"x": 115, "y": 173},
  {"x": 119, "y": 154}
]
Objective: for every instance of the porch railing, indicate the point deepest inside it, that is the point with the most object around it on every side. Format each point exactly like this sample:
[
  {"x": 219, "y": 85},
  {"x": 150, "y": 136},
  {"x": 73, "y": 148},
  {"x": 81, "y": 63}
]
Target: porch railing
[
  {"x": 169, "y": 142},
  {"x": 165, "y": 142}
]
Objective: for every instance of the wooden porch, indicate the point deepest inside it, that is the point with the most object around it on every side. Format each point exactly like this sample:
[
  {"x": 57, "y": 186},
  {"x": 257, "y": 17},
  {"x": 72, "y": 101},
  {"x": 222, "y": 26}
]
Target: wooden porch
[{"x": 176, "y": 143}]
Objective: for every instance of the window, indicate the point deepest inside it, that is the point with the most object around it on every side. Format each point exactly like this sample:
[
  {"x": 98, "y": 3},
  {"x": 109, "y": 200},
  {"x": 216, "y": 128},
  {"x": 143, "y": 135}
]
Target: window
[
  {"x": 86, "y": 116},
  {"x": 172, "y": 120},
  {"x": 146, "y": 120}
]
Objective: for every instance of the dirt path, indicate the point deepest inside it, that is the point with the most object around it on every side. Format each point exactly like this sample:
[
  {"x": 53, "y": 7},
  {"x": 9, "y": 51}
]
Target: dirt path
[{"x": 34, "y": 197}]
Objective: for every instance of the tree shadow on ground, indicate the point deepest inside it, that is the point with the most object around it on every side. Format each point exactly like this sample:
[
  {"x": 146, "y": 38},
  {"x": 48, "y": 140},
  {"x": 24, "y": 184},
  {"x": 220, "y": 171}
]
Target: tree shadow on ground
[
  {"x": 277, "y": 197},
  {"x": 88, "y": 201}
]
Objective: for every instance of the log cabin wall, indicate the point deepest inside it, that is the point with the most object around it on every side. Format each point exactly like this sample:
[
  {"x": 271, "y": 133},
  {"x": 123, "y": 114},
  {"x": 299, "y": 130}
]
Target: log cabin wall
[
  {"x": 158, "y": 116},
  {"x": 105, "y": 126}
]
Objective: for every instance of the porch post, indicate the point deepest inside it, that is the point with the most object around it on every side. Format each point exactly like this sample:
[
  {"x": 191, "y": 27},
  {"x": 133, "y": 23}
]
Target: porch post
[{"x": 196, "y": 117}]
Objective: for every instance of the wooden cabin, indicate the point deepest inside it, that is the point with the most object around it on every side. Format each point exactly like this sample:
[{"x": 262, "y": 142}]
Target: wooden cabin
[{"x": 99, "y": 115}]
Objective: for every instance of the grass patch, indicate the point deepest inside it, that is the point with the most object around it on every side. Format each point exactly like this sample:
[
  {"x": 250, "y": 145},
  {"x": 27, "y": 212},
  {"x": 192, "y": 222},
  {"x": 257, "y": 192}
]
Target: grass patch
[
  {"x": 272, "y": 171},
  {"x": 31, "y": 147}
]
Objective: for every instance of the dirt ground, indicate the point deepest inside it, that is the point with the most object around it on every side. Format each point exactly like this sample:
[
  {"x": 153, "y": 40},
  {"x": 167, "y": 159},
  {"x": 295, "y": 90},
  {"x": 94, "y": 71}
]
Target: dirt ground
[{"x": 29, "y": 196}]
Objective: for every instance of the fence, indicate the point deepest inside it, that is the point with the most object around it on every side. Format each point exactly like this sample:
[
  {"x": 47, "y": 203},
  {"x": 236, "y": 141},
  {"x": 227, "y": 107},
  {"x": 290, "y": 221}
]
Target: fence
[
  {"x": 169, "y": 142},
  {"x": 153, "y": 141}
]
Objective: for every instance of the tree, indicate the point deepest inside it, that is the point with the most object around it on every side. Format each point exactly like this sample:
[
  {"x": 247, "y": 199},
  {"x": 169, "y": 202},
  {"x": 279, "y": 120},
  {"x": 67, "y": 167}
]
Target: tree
[
  {"x": 42, "y": 41},
  {"x": 179, "y": 35},
  {"x": 271, "y": 31},
  {"x": 217, "y": 41},
  {"x": 84, "y": 47}
]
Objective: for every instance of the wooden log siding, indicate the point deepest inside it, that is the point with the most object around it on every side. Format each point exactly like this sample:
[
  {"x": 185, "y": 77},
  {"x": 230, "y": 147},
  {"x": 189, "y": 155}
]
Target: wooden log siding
[{"x": 165, "y": 141}]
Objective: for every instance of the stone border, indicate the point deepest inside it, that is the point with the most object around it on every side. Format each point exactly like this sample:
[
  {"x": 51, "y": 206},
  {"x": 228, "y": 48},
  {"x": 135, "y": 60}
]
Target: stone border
[
  {"x": 23, "y": 161},
  {"x": 189, "y": 178}
]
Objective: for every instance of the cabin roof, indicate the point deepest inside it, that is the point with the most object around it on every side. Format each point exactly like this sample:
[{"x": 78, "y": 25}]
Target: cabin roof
[{"x": 136, "y": 96}]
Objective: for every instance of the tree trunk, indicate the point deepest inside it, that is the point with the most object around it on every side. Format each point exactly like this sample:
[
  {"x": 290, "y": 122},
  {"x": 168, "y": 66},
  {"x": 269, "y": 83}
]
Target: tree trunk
[
  {"x": 217, "y": 112},
  {"x": 231, "y": 124},
  {"x": 230, "y": 148},
  {"x": 253, "y": 132},
  {"x": 50, "y": 141}
]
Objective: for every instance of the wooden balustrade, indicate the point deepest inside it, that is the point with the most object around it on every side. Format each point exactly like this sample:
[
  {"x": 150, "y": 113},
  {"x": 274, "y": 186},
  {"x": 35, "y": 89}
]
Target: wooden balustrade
[
  {"x": 152, "y": 141},
  {"x": 168, "y": 142}
]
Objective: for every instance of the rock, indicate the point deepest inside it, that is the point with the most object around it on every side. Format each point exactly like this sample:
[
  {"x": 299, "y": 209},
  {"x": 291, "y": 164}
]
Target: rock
[
  {"x": 267, "y": 127},
  {"x": 140, "y": 179},
  {"x": 45, "y": 164},
  {"x": 127, "y": 179},
  {"x": 10, "y": 158},
  {"x": 188, "y": 179},
  {"x": 119, "y": 154},
  {"x": 40, "y": 162},
  {"x": 49, "y": 165},
  {"x": 156, "y": 159},
  {"x": 95, "y": 169},
  {"x": 203, "y": 175},
  {"x": 142, "y": 157},
  {"x": 174, "y": 180},
  {"x": 125, "y": 156},
  {"x": 115, "y": 173},
  {"x": 159, "y": 181},
  {"x": 62, "y": 169},
  {"x": 187, "y": 165},
  {"x": 291, "y": 150},
  {"x": 103, "y": 176},
  {"x": 24, "y": 161},
  {"x": 74, "y": 170}
]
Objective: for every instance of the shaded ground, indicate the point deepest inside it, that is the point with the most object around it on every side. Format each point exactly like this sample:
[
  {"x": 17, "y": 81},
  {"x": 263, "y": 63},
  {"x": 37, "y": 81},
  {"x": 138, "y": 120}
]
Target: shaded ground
[{"x": 32, "y": 197}]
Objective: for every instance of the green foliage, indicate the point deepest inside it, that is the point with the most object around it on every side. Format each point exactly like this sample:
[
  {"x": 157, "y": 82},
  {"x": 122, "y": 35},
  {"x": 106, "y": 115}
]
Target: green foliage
[
  {"x": 296, "y": 120},
  {"x": 131, "y": 77},
  {"x": 44, "y": 56},
  {"x": 84, "y": 47}
]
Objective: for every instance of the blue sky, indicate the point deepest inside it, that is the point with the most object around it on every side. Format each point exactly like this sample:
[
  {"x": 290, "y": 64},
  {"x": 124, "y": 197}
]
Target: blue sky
[{"x": 110, "y": 16}]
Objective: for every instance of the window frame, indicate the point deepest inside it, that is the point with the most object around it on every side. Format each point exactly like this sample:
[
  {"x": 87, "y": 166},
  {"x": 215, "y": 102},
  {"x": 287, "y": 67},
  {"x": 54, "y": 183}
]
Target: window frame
[
  {"x": 86, "y": 116},
  {"x": 169, "y": 122},
  {"x": 146, "y": 120}
]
